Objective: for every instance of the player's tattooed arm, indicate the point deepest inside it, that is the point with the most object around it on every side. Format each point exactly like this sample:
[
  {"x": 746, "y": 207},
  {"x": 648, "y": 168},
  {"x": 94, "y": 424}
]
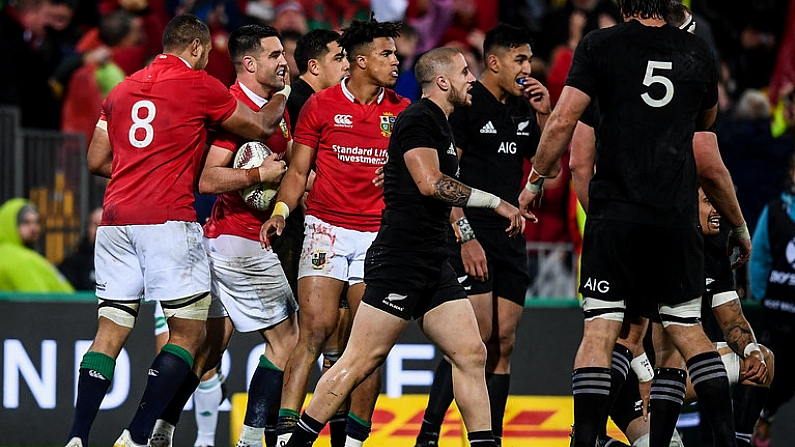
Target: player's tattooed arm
[
  {"x": 736, "y": 329},
  {"x": 451, "y": 191}
]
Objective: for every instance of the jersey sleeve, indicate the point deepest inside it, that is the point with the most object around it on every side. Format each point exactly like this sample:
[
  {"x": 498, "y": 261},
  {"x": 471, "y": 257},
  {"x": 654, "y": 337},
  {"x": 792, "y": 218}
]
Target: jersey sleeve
[
  {"x": 582, "y": 74},
  {"x": 590, "y": 116},
  {"x": 416, "y": 132},
  {"x": 307, "y": 129},
  {"x": 711, "y": 98},
  {"x": 219, "y": 103},
  {"x": 217, "y": 136}
]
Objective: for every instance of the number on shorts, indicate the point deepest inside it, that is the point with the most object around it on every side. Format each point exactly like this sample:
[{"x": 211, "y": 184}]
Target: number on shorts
[
  {"x": 651, "y": 78},
  {"x": 144, "y": 123}
]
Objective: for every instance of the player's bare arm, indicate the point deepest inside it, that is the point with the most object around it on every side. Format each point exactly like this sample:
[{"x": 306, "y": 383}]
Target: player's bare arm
[
  {"x": 581, "y": 161},
  {"x": 716, "y": 181},
  {"x": 554, "y": 141},
  {"x": 423, "y": 165},
  {"x": 740, "y": 337},
  {"x": 291, "y": 191},
  {"x": 100, "y": 154},
  {"x": 472, "y": 254},
  {"x": 218, "y": 176},
  {"x": 538, "y": 96},
  {"x": 257, "y": 125}
]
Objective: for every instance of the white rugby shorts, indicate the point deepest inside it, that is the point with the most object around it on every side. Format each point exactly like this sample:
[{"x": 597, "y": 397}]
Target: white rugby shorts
[
  {"x": 162, "y": 262},
  {"x": 248, "y": 284},
  {"x": 333, "y": 252}
]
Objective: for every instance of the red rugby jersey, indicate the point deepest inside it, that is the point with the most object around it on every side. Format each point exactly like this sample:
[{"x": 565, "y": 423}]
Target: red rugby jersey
[
  {"x": 351, "y": 140},
  {"x": 230, "y": 213},
  {"x": 157, "y": 121}
]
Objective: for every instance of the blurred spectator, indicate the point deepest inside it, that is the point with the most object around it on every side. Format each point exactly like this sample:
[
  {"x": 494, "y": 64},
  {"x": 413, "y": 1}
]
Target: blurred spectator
[
  {"x": 406, "y": 45},
  {"x": 29, "y": 58},
  {"x": 557, "y": 28},
  {"x": 389, "y": 10},
  {"x": 471, "y": 16},
  {"x": 335, "y": 14},
  {"x": 78, "y": 268},
  {"x": 22, "y": 269},
  {"x": 290, "y": 39},
  {"x": 153, "y": 15},
  {"x": 290, "y": 16},
  {"x": 430, "y": 18},
  {"x": 784, "y": 70}
]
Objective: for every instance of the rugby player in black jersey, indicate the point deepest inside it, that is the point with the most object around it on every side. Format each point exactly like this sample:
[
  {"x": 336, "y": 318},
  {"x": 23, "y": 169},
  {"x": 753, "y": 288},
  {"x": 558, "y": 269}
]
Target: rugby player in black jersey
[
  {"x": 493, "y": 138},
  {"x": 656, "y": 86}
]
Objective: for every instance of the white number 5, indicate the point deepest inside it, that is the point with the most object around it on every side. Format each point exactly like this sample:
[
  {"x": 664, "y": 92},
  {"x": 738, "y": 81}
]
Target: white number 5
[{"x": 651, "y": 78}]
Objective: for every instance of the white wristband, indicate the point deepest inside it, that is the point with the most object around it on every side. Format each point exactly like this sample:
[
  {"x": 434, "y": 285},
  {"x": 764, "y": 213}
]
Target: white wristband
[
  {"x": 642, "y": 368},
  {"x": 749, "y": 348},
  {"x": 482, "y": 199},
  {"x": 740, "y": 233}
]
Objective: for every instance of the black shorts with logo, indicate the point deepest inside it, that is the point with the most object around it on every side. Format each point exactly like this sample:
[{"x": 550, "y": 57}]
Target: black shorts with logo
[
  {"x": 643, "y": 264},
  {"x": 408, "y": 286},
  {"x": 507, "y": 263}
]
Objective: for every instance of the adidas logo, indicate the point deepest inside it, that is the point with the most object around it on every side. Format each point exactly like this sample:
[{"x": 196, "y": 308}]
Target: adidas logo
[{"x": 488, "y": 128}]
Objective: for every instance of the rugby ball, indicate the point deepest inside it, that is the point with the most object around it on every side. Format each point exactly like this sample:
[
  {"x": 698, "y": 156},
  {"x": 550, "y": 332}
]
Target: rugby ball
[{"x": 251, "y": 155}]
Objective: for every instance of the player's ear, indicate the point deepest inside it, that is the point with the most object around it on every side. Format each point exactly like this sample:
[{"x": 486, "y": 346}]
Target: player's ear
[
  {"x": 361, "y": 61},
  {"x": 493, "y": 63},
  {"x": 196, "y": 47},
  {"x": 249, "y": 64},
  {"x": 442, "y": 83},
  {"x": 312, "y": 67}
]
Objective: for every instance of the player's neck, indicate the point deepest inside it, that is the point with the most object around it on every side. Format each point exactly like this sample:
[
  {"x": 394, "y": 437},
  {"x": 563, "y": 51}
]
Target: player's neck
[
  {"x": 655, "y": 22},
  {"x": 312, "y": 81},
  {"x": 492, "y": 84},
  {"x": 364, "y": 91},
  {"x": 440, "y": 99},
  {"x": 256, "y": 88}
]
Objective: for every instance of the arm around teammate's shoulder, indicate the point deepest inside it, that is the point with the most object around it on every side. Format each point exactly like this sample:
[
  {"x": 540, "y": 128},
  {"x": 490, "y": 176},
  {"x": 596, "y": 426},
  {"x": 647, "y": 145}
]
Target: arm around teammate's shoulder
[{"x": 256, "y": 125}]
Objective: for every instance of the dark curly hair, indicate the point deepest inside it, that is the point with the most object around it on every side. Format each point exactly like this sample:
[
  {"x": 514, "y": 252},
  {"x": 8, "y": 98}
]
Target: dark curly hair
[
  {"x": 644, "y": 9},
  {"x": 361, "y": 34}
]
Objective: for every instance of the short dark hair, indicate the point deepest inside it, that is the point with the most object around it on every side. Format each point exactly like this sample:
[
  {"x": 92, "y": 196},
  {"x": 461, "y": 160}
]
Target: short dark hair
[
  {"x": 644, "y": 9},
  {"x": 433, "y": 63},
  {"x": 246, "y": 41},
  {"x": 115, "y": 26},
  {"x": 313, "y": 45},
  {"x": 676, "y": 14},
  {"x": 362, "y": 33},
  {"x": 182, "y": 30},
  {"x": 506, "y": 36}
]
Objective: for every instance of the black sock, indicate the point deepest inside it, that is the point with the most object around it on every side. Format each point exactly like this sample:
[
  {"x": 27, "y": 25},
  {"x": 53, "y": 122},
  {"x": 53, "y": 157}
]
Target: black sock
[
  {"x": 263, "y": 393},
  {"x": 711, "y": 384},
  {"x": 306, "y": 432},
  {"x": 336, "y": 428},
  {"x": 169, "y": 368},
  {"x": 439, "y": 400},
  {"x": 357, "y": 428},
  {"x": 667, "y": 395},
  {"x": 270, "y": 430},
  {"x": 591, "y": 390},
  {"x": 288, "y": 419},
  {"x": 748, "y": 402},
  {"x": 174, "y": 408},
  {"x": 482, "y": 438},
  {"x": 91, "y": 389},
  {"x": 619, "y": 369},
  {"x": 498, "y": 386}
]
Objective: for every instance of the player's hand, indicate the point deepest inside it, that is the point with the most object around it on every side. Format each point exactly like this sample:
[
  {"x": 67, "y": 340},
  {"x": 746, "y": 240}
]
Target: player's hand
[
  {"x": 740, "y": 237},
  {"x": 754, "y": 368},
  {"x": 474, "y": 259},
  {"x": 378, "y": 181},
  {"x": 272, "y": 169},
  {"x": 645, "y": 396},
  {"x": 528, "y": 200},
  {"x": 272, "y": 226},
  {"x": 513, "y": 215},
  {"x": 538, "y": 95}
]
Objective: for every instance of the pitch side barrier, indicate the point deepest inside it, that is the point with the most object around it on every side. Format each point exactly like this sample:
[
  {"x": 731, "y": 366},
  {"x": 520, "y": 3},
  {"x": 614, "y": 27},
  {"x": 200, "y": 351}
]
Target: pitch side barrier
[{"x": 44, "y": 338}]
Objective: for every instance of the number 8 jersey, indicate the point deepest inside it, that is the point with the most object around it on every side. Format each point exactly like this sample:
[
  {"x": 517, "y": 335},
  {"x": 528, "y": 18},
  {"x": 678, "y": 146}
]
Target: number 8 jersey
[
  {"x": 651, "y": 84},
  {"x": 156, "y": 122}
]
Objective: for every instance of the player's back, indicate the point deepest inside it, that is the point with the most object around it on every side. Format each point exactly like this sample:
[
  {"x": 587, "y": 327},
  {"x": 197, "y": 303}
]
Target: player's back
[
  {"x": 651, "y": 84},
  {"x": 156, "y": 125}
]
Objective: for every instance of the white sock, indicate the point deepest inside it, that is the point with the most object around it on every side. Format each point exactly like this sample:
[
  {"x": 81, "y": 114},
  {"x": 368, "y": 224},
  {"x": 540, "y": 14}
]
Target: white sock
[
  {"x": 250, "y": 437},
  {"x": 282, "y": 439},
  {"x": 351, "y": 442},
  {"x": 206, "y": 399}
]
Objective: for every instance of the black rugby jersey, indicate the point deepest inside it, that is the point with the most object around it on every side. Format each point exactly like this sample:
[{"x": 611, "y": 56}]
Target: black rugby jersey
[
  {"x": 651, "y": 83},
  {"x": 494, "y": 138},
  {"x": 301, "y": 91},
  {"x": 411, "y": 221}
]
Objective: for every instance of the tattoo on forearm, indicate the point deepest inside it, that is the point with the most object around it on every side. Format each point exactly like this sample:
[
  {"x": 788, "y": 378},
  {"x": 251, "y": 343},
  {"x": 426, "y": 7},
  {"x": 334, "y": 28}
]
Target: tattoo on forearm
[
  {"x": 451, "y": 191},
  {"x": 738, "y": 335}
]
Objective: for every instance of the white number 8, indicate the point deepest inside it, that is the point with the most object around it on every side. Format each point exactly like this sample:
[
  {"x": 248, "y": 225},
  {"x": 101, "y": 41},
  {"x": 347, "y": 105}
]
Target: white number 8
[
  {"x": 657, "y": 79},
  {"x": 142, "y": 123}
]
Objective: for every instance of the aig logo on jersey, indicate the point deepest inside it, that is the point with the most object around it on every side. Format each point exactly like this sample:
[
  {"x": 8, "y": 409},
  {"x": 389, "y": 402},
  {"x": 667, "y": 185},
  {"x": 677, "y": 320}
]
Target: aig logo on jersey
[
  {"x": 387, "y": 121},
  {"x": 507, "y": 147},
  {"x": 343, "y": 121},
  {"x": 596, "y": 285}
]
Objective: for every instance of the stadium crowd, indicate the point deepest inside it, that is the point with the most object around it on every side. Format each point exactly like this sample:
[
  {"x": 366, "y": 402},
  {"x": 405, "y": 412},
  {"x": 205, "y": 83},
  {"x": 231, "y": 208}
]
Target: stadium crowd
[{"x": 63, "y": 58}]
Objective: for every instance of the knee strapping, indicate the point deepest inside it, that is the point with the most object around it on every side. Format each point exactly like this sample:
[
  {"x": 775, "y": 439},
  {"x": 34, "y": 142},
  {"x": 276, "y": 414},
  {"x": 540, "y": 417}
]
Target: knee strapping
[
  {"x": 123, "y": 313},
  {"x": 194, "y": 307}
]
